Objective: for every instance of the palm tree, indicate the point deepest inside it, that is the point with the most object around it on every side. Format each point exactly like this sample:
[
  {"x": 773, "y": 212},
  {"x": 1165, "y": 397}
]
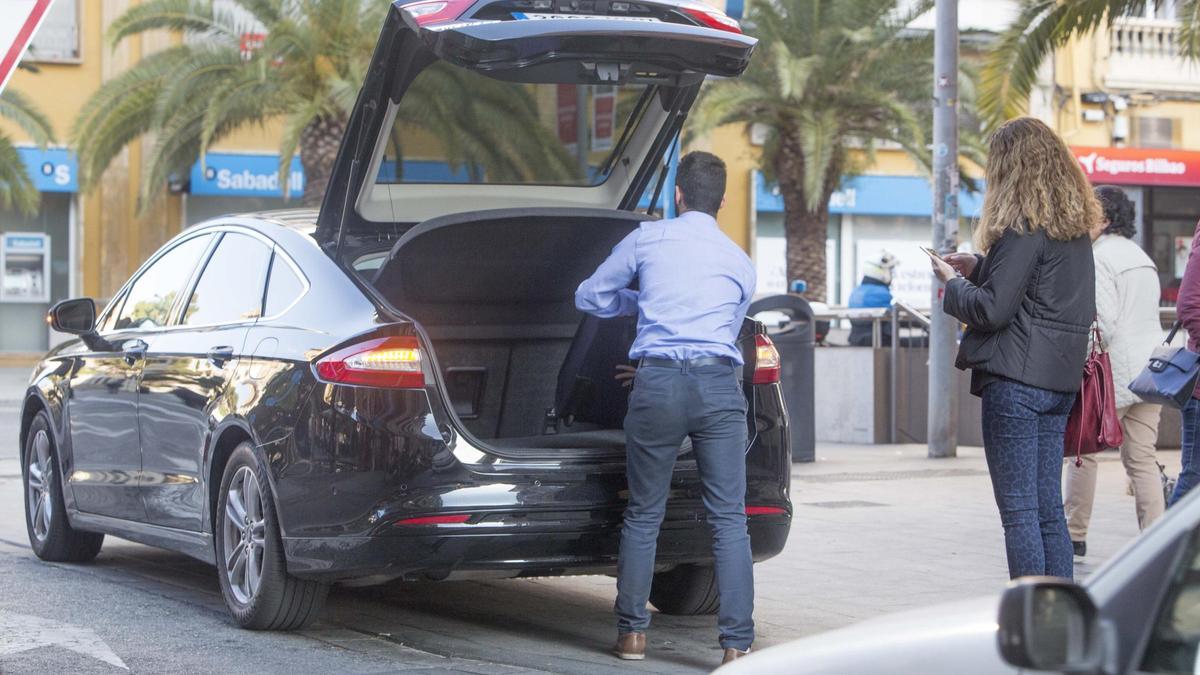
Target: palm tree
[
  {"x": 829, "y": 77},
  {"x": 1010, "y": 70},
  {"x": 16, "y": 189},
  {"x": 299, "y": 61}
]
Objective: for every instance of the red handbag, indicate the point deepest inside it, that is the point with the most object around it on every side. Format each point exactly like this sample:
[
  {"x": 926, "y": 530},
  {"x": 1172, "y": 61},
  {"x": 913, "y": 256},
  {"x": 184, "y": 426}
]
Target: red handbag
[{"x": 1093, "y": 424}]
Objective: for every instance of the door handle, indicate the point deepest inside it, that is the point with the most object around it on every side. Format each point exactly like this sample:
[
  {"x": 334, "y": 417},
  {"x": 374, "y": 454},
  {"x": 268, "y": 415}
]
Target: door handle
[
  {"x": 219, "y": 355},
  {"x": 135, "y": 351}
]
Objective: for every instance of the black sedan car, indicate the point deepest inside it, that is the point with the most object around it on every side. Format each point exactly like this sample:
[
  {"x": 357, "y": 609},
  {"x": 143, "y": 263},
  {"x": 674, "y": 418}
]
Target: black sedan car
[{"x": 399, "y": 385}]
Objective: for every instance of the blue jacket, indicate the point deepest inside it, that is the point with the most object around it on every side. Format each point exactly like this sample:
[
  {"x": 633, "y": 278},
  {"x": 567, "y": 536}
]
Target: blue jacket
[{"x": 870, "y": 293}]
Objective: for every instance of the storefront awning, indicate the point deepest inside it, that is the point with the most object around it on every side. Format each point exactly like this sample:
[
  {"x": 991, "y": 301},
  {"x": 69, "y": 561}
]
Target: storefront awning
[{"x": 874, "y": 196}]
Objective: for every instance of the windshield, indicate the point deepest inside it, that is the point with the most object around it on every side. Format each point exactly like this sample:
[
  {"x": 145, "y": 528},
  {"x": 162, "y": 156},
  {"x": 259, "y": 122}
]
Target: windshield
[{"x": 458, "y": 126}]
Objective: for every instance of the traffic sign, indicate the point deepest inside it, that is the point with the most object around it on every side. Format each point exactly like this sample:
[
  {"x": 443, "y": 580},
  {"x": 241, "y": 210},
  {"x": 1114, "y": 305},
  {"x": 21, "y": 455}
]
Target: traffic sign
[{"x": 19, "y": 20}]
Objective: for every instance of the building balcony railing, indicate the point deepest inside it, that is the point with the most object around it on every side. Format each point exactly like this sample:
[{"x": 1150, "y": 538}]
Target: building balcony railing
[{"x": 1143, "y": 55}]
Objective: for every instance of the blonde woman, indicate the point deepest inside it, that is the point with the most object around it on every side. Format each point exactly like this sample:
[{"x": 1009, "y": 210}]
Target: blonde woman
[{"x": 1028, "y": 304}]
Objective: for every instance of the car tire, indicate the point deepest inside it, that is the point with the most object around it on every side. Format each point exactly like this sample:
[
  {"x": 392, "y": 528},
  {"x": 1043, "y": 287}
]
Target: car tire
[
  {"x": 50, "y": 533},
  {"x": 687, "y": 590},
  {"x": 258, "y": 591}
]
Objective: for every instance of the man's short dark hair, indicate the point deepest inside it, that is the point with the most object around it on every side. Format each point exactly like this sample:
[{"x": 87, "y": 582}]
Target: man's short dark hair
[
  {"x": 701, "y": 179},
  {"x": 1118, "y": 211}
]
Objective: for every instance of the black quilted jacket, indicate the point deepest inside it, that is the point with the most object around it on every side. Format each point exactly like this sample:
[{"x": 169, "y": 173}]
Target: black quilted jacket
[{"x": 1028, "y": 307}]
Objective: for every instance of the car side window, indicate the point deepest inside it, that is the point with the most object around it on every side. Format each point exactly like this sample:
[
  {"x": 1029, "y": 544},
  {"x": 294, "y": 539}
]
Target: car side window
[
  {"x": 283, "y": 287},
  {"x": 1173, "y": 644},
  {"x": 150, "y": 298},
  {"x": 230, "y": 287}
]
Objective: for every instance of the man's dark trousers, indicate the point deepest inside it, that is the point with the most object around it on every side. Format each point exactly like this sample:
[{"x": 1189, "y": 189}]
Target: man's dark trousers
[{"x": 668, "y": 404}]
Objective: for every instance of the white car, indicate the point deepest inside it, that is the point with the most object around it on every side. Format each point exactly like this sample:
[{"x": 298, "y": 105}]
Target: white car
[{"x": 1140, "y": 613}]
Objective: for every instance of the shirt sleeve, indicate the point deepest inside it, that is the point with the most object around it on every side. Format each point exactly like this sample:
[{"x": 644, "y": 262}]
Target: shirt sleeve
[
  {"x": 606, "y": 293},
  {"x": 1188, "y": 307},
  {"x": 991, "y": 305}
]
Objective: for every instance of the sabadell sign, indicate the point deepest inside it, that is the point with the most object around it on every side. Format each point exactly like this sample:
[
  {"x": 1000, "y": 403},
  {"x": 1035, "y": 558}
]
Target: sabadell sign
[
  {"x": 1139, "y": 166},
  {"x": 244, "y": 175}
]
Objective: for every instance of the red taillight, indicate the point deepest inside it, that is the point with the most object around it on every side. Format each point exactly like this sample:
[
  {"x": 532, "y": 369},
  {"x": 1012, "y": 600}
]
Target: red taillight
[
  {"x": 711, "y": 18},
  {"x": 766, "y": 361},
  {"x": 393, "y": 362},
  {"x": 765, "y": 510},
  {"x": 436, "y": 11},
  {"x": 456, "y": 519}
]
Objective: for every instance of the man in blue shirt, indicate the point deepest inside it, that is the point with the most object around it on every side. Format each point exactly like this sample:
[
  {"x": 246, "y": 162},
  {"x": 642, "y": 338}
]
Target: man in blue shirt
[{"x": 694, "y": 287}]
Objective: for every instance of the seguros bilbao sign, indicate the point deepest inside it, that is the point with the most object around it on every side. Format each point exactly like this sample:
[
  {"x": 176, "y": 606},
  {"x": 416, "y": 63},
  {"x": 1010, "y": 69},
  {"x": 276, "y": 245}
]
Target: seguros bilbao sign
[{"x": 1139, "y": 166}]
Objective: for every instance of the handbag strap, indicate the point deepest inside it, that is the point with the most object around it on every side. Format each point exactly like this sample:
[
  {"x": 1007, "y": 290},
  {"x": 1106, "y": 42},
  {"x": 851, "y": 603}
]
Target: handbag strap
[{"x": 1174, "y": 329}]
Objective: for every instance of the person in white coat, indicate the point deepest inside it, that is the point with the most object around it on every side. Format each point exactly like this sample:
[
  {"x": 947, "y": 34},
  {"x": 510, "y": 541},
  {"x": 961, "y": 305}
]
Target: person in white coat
[{"x": 1127, "y": 297}]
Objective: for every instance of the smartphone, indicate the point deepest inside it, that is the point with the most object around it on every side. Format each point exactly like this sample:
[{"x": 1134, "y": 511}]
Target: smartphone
[{"x": 931, "y": 253}]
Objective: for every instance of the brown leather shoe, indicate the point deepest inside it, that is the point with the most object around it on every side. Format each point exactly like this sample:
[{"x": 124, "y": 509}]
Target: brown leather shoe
[
  {"x": 630, "y": 646},
  {"x": 732, "y": 654}
]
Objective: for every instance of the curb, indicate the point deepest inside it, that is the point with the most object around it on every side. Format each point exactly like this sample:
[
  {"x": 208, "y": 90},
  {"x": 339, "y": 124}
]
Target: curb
[{"x": 19, "y": 359}]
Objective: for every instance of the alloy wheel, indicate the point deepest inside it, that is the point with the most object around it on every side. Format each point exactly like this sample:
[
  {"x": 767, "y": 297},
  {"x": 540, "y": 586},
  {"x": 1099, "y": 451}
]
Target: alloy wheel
[
  {"x": 244, "y": 534},
  {"x": 40, "y": 504}
]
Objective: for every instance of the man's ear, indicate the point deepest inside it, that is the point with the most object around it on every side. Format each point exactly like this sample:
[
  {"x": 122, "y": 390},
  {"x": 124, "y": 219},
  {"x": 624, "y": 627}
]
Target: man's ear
[
  {"x": 722, "y": 204},
  {"x": 679, "y": 199}
]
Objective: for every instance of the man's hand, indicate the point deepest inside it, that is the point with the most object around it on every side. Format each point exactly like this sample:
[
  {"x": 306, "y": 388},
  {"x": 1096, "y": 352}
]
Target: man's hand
[
  {"x": 963, "y": 263},
  {"x": 625, "y": 375}
]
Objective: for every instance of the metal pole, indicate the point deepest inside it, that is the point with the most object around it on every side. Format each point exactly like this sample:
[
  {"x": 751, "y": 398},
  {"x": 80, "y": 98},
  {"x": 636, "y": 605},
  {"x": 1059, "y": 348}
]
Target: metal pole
[{"x": 943, "y": 403}]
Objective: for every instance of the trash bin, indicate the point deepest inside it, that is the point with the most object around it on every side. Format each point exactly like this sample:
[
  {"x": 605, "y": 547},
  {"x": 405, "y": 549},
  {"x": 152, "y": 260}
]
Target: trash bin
[{"x": 795, "y": 340}]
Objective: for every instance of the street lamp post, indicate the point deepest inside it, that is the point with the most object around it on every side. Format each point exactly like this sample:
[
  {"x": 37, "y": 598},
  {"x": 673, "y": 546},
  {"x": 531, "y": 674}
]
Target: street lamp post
[{"x": 943, "y": 402}]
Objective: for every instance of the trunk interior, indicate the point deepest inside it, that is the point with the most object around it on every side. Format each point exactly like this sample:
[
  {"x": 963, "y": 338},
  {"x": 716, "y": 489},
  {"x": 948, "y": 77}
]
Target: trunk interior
[{"x": 494, "y": 291}]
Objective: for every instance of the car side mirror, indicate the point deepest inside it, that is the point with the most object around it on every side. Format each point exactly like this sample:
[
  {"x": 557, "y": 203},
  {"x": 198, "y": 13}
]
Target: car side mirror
[
  {"x": 77, "y": 316},
  {"x": 1050, "y": 624}
]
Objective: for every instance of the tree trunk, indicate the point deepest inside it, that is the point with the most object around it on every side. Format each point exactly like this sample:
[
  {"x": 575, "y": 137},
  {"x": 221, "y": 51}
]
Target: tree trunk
[
  {"x": 319, "y": 143},
  {"x": 806, "y": 229}
]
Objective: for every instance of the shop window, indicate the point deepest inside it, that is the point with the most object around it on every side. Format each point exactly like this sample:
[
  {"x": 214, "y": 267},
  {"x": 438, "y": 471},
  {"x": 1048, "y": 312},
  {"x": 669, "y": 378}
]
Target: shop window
[
  {"x": 230, "y": 288},
  {"x": 1157, "y": 132},
  {"x": 57, "y": 39}
]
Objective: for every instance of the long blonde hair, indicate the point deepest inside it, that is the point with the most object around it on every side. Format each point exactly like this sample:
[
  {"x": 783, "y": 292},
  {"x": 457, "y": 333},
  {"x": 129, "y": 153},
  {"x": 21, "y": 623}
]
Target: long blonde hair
[{"x": 1034, "y": 183}]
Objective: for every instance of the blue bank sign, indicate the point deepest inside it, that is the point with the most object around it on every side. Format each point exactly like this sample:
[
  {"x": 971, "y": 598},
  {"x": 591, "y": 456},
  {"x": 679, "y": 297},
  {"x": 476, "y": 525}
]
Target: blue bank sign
[
  {"x": 51, "y": 169},
  {"x": 230, "y": 174}
]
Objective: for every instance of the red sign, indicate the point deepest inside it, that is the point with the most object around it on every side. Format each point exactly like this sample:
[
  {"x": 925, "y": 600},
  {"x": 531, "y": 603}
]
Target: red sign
[
  {"x": 568, "y": 114},
  {"x": 1139, "y": 166},
  {"x": 604, "y": 110},
  {"x": 21, "y": 21}
]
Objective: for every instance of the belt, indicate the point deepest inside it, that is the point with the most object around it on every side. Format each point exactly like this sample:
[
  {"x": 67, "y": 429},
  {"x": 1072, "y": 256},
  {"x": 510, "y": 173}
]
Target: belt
[{"x": 655, "y": 362}]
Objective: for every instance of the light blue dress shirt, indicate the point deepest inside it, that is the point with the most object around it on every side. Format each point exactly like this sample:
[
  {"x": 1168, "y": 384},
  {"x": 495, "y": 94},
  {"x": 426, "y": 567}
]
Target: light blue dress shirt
[{"x": 694, "y": 284}]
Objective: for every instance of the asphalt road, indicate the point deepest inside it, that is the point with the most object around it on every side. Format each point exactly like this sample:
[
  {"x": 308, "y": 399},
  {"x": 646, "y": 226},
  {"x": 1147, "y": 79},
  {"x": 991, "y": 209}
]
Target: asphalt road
[{"x": 877, "y": 529}]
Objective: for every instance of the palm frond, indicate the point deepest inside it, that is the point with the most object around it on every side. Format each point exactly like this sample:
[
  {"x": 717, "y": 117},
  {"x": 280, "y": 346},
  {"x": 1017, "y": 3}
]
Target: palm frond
[
  {"x": 16, "y": 189},
  {"x": 1187, "y": 12},
  {"x": 1011, "y": 67},
  {"x": 16, "y": 108},
  {"x": 186, "y": 16}
]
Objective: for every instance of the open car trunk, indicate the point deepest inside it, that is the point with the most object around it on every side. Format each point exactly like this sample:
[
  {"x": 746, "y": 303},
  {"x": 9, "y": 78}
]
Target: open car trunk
[
  {"x": 520, "y": 136},
  {"x": 494, "y": 292}
]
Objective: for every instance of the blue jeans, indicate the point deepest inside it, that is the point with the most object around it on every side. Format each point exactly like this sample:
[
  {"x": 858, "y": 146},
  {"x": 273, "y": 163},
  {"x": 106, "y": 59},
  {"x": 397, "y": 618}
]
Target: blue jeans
[
  {"x": 666, "y": 406},
  {"x": 1189, "y": 474},
  {"x": 1023, "y": 439}
]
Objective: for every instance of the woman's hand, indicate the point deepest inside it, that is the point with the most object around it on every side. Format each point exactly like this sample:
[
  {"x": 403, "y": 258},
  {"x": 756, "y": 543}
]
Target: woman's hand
[
  {"x": 942, "y": 269},
  {"x": 963, "y": 263}
]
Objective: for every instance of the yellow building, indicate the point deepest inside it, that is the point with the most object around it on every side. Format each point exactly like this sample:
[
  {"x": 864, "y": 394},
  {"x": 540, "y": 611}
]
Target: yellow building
[
  {"x": 1125, "y": 102},
  {"x": 1129, "y": 106}
]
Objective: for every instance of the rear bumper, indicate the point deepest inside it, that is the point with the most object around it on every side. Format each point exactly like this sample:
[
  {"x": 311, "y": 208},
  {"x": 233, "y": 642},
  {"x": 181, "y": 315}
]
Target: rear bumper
[{"x": 512, "y": 552}]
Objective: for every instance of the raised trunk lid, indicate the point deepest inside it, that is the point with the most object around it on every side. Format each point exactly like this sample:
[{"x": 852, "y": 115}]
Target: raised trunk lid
[{"x": 428, "y": 133}]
